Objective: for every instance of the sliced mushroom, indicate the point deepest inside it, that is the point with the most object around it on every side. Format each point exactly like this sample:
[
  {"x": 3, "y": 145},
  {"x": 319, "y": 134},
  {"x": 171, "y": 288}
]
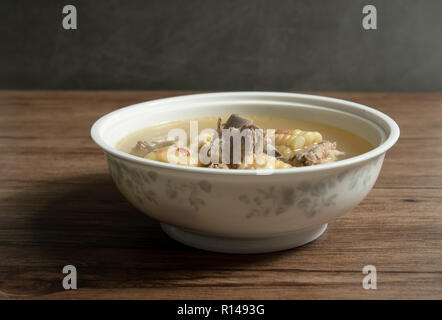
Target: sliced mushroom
[
  {"x": 142, "y": 148},
  {"x": 322, "y": 152},
  {"x": 236, "y": 121}
]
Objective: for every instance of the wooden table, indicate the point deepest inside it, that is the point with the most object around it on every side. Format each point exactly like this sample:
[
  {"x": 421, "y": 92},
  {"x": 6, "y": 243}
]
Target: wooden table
[{"x": 58, "y": 206}]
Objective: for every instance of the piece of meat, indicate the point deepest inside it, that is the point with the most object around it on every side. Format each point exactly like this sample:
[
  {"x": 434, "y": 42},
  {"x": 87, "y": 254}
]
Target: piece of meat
[
  {"x": 283, "y": 131},
  {"x": 219, "y": 127},
  {"x": 268, "y": 148},
  {"x": 323, "y": 152},
  {"x": 183, "y": 152},
  {"x": 236, "y": 121},
  {"x": 142, "y": 148},
  {"x": 219, "y": 166}
]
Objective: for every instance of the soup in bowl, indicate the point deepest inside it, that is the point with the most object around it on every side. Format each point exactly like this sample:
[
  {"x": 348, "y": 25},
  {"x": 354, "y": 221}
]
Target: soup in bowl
[{"x": 245, "y": 172}]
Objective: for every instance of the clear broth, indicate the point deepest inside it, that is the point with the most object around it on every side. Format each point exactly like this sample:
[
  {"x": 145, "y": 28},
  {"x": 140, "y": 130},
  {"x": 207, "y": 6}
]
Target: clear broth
[{"x": 347, "y": 142}]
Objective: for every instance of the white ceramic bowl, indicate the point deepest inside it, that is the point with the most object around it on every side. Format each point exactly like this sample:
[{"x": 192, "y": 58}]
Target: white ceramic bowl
[{"x": 245, "y": 211}]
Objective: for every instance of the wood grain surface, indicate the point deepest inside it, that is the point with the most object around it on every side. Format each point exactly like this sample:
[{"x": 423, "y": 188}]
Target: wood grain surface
[{"x": 58, "y": 206}]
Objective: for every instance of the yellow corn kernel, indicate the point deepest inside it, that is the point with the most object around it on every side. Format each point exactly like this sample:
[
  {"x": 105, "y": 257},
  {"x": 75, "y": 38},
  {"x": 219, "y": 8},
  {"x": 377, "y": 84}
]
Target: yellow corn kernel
[
  {"x": 204, "y": 137},
  {"x": 287, "y": 152},
  {"x": 297, "y": 140},
  {"x": 264, "y": 161},
  {"x": 172, "y": 154}
]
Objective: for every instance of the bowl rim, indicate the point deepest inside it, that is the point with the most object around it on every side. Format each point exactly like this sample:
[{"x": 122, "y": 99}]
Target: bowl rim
[{"x": 390, "y": 140}]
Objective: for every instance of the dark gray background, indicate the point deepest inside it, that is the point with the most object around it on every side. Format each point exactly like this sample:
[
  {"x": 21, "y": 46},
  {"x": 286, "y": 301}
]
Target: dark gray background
[{"x": 222, "y": 45}]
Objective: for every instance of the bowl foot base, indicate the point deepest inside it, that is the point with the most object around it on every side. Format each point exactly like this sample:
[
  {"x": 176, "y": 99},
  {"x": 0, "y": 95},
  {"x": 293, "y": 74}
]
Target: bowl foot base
[{"x": 244, "y": 245}]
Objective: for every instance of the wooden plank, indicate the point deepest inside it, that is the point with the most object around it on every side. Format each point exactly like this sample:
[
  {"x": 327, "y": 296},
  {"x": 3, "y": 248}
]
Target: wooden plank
[{"x": 58, "y": 206}]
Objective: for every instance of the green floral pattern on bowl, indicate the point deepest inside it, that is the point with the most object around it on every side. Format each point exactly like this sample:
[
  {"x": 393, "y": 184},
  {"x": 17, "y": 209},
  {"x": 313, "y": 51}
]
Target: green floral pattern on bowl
[
  {"x": 190, "y": 193},
  {"x": 145, "y": 184},
  {"x": 306, "y": 197},
  {"x": 303, "y": 197}
]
